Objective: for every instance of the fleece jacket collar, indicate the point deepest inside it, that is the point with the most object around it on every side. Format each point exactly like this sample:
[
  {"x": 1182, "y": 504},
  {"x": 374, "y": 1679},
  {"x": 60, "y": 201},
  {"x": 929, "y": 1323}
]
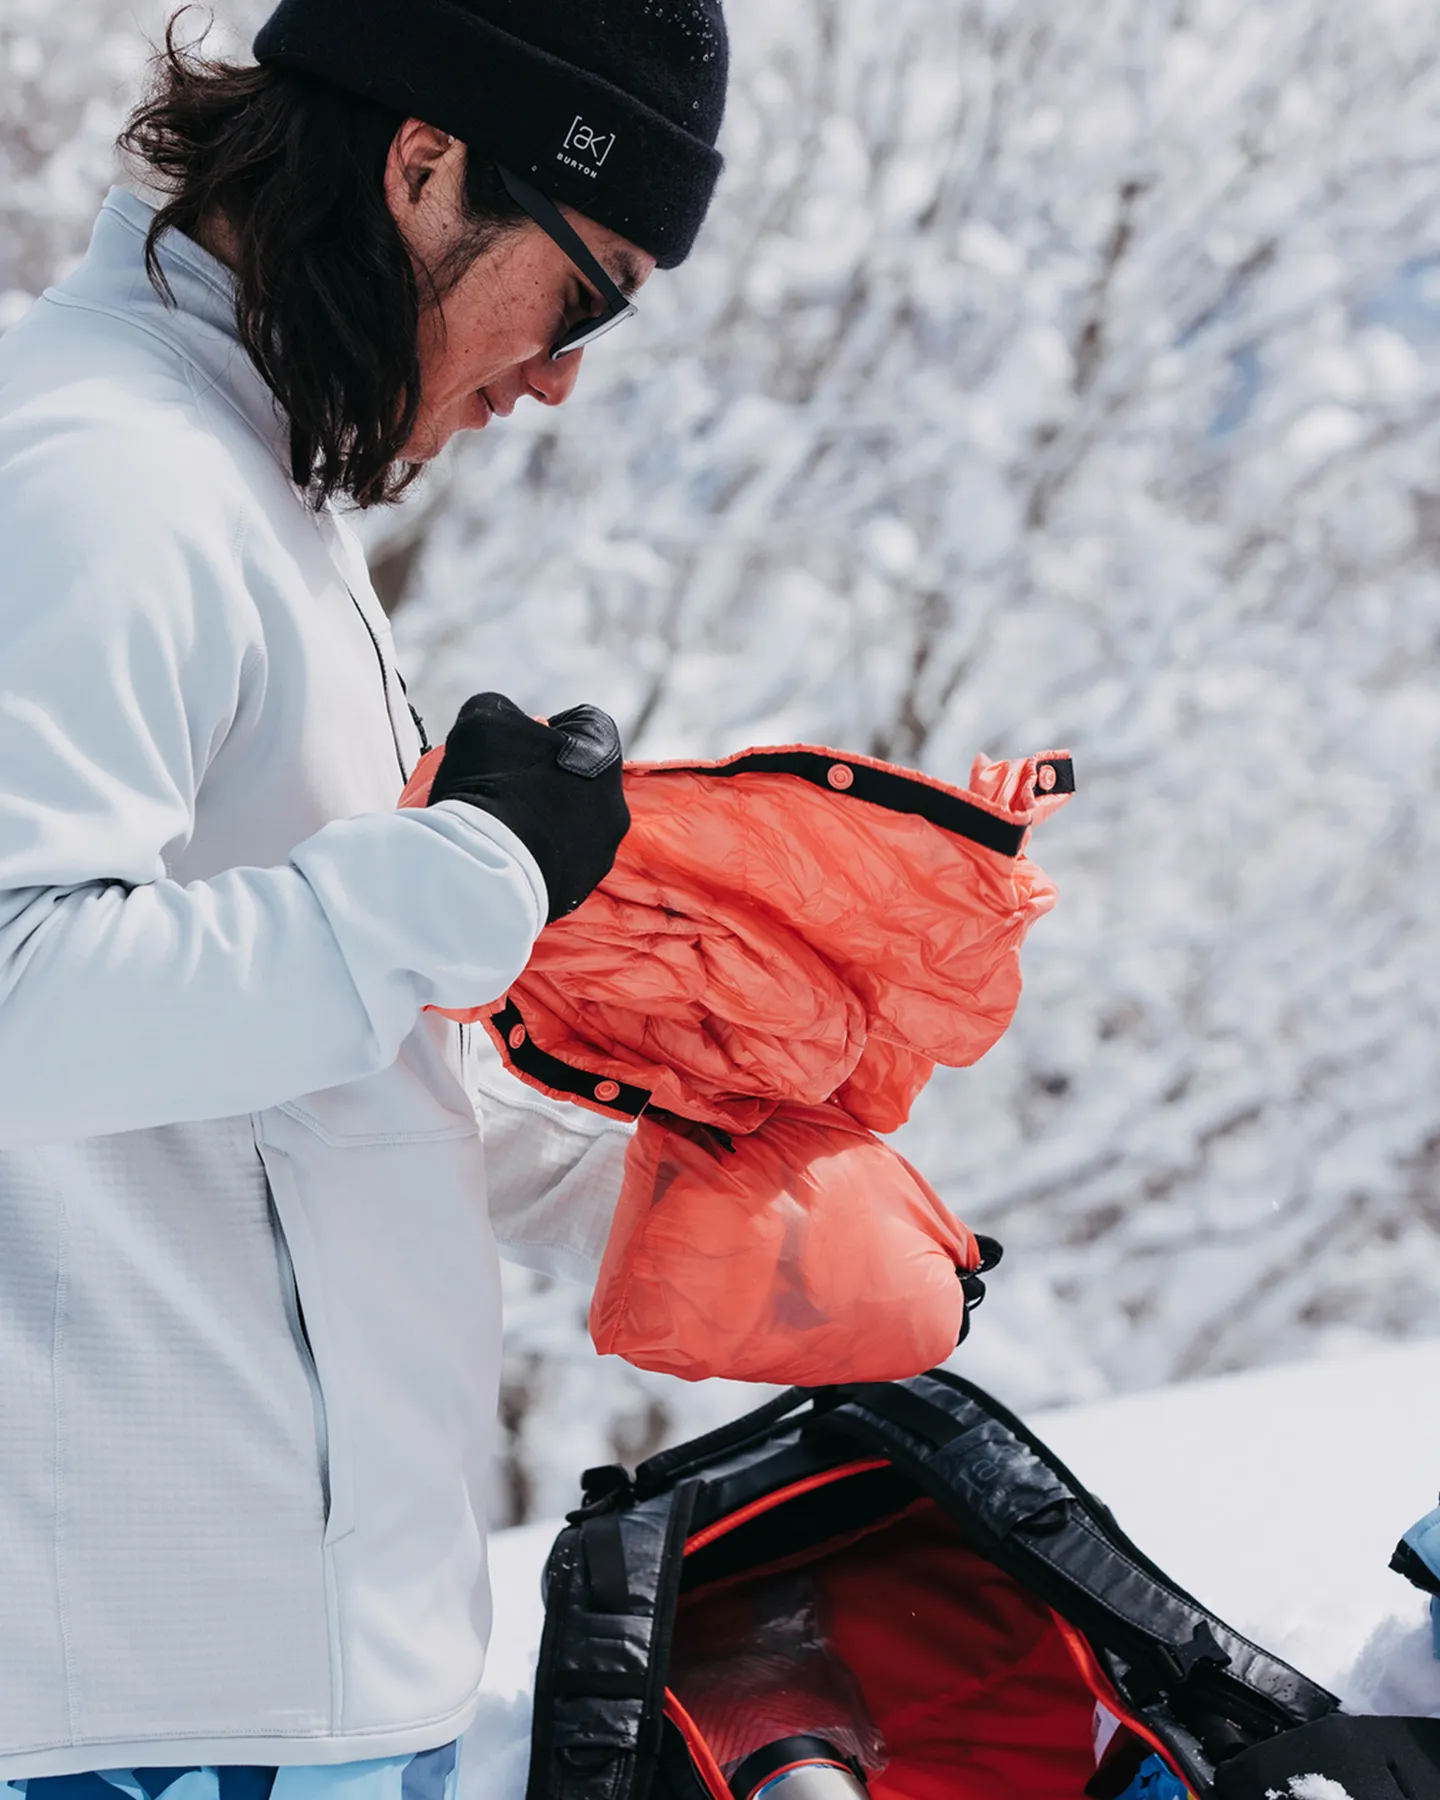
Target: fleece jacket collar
[{"x": 199, "y": 326}]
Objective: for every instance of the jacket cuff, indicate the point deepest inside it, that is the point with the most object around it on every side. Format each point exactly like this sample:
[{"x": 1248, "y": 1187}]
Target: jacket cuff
[{"x": 486, "y": 825}]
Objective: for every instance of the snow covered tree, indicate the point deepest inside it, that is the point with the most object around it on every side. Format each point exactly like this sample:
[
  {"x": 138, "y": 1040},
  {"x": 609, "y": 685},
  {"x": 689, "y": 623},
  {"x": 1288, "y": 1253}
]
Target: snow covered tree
[
  {"x": 1053, "y": 376},
  {"x": 1045, "y": 375}
]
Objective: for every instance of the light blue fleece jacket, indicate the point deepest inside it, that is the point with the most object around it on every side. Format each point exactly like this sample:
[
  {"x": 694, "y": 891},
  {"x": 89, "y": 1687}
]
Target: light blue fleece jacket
[{"x": 249, "y": 1310}]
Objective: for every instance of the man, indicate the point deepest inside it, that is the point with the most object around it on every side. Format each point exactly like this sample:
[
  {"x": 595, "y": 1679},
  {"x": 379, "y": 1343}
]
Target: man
[{"x": 249, "y": 1325}]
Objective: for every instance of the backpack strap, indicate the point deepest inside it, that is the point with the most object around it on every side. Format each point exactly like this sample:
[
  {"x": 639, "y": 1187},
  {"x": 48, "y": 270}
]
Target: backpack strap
[
  {"x": 1206, "y": 1689},
  {"x": 668, "y": 1466},
  {"x": 611, "y": 1587},
  {"x": 1362, "y": 1758}
]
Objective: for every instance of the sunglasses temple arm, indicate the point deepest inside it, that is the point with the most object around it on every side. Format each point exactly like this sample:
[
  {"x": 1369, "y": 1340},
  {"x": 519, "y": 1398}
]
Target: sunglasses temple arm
[{"x": 552, "y": 221}]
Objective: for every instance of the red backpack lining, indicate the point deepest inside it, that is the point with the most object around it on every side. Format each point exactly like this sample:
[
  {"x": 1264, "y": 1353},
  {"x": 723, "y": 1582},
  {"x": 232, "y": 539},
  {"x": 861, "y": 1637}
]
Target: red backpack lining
[
  {"x": 768, "y": 1503},
  {"x": 980, "y": 1691},
  {"x": 711, "y": 1775}
]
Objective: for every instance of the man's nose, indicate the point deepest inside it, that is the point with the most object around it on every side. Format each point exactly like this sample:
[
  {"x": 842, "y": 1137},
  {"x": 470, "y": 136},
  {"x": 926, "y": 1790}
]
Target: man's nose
[{"x": 551, "y": 379}]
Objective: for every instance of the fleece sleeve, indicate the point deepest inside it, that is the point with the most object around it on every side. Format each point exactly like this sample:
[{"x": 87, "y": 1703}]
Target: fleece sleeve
[
  {"x": 554, "y": 1171},
  {"x": 128, "y": 1000}
]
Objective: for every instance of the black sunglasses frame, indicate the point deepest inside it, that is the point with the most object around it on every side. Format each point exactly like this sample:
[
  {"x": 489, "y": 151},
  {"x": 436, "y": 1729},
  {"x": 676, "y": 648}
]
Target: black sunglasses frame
[{"x": 544, "y": 213}]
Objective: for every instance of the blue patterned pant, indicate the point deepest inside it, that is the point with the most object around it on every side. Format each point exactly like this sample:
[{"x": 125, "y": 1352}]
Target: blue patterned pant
[{"x": 429, "y": 1776}]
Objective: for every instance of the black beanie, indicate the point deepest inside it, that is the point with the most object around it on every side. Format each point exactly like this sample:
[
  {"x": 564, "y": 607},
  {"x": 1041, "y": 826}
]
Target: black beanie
[{"x": 612, "y": 106}]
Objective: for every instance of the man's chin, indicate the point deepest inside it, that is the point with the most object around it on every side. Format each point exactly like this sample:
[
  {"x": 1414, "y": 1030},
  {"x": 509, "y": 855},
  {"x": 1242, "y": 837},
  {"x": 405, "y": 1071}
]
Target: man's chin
[
  {"x": 429, "y": 439},
  {"x": 424, "y": 447}
]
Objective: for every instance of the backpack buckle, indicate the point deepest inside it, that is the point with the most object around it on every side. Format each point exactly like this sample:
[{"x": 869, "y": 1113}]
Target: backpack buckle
[
  {"x": 605, "y": 1490},
  {"x": 971, "y": 1285},
  {"x": 1182, "y": 1660}
]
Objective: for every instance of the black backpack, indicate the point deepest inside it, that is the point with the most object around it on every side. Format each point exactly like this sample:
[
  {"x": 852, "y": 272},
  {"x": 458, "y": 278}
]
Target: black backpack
[{"x": 971, "y": 1575}]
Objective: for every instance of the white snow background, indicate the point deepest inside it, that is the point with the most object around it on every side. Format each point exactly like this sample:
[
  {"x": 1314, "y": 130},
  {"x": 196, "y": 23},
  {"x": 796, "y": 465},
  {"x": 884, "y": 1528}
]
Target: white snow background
[{"x": 1045, "y": 375}]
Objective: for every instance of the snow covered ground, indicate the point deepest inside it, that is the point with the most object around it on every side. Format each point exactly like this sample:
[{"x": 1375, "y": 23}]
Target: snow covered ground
[{"x": 1276, "y": 1497}]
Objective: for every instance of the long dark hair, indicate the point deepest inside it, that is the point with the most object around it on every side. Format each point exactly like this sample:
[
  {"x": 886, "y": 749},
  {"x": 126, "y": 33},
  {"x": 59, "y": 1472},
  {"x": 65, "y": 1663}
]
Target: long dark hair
[{"x": 328, "y": 301}]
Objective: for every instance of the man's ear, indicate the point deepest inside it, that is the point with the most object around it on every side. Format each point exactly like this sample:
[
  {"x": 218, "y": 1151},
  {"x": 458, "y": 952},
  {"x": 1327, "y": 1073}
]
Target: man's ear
[{"x": 416, "y": 151}]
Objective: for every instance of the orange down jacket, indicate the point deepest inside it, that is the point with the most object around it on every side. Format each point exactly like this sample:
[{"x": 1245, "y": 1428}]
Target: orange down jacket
[{"x": 789, "y": 941}]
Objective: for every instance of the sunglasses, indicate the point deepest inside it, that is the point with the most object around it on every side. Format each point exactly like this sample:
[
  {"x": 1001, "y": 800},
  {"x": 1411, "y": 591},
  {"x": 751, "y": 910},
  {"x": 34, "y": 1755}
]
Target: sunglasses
[{"x": 558, "y": 229}]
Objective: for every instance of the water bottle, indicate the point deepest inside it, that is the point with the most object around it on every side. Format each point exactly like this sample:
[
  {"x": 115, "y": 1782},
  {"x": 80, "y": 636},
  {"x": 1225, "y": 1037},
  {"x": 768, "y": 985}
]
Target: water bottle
[{"x": 798, "y": 1768}]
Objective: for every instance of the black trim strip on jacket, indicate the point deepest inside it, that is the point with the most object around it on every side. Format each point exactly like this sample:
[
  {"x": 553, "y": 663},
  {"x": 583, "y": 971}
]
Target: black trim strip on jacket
[
  {"x": 879, "y": 787},
  {"x": 627, "y": 1101},
  {"x": 892, "y": 790}
]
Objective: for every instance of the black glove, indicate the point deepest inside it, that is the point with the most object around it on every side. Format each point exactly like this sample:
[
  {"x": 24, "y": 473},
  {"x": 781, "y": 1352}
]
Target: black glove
[{"x": 556, "y": 786}]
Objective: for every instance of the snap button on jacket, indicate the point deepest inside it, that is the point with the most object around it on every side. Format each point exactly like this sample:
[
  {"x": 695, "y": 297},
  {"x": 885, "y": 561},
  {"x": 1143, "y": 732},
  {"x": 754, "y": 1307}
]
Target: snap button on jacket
[{"x": 790, "y": 940}]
